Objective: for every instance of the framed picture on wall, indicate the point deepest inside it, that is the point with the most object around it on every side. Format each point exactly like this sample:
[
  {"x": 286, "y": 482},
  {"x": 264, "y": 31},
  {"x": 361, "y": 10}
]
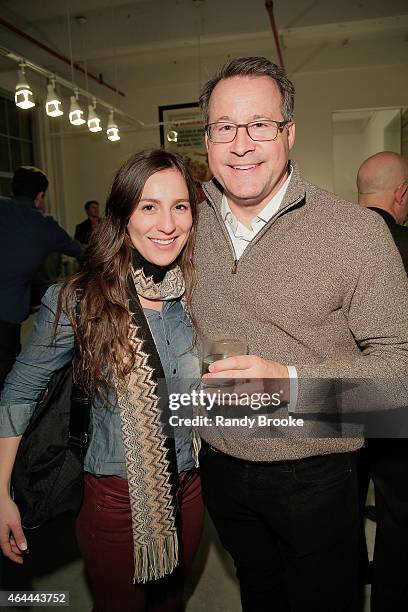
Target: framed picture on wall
[{"x": 181, "y": 131}]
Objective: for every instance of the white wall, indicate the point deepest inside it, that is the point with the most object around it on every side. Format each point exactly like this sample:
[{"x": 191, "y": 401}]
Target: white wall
[
  {"x": 348, "y": 154},
  {"x": 374, "y": 135},
  {"x": 320, "y": 94},
  {"x": 357, "y": 136},
  {"x": 87, "y": 162}
]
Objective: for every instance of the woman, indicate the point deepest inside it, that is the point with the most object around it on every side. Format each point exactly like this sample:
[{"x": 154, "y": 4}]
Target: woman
[{"x": 131, "y": 333}]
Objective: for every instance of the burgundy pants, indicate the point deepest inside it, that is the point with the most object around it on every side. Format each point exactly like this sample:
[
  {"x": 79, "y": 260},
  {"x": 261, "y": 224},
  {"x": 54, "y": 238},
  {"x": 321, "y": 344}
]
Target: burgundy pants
[{"x": 104, "y": 533}]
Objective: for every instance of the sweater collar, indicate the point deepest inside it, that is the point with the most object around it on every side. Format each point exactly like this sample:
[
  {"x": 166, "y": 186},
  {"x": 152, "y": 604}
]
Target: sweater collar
[{"x": 296, "y": 190}]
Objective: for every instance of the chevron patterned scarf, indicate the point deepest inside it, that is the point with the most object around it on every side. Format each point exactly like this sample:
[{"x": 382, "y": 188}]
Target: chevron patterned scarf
[{"x": 147, "y": 437}]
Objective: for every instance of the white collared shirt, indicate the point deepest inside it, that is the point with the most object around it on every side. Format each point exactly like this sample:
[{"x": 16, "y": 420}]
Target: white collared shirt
[{"x": 241, "y": 235}]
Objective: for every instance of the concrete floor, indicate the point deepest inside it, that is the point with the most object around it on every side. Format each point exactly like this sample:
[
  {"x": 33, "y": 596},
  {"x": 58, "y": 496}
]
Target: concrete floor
[{"x": 212, "y": 586}]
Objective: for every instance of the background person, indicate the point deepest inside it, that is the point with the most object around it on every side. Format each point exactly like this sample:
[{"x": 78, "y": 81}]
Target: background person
[
  {"x": 132, "y": 333},
  {"x": 26, "y": 238},
  {"x": 84, "y": 230},
  {"x": 382, "y": 184}
]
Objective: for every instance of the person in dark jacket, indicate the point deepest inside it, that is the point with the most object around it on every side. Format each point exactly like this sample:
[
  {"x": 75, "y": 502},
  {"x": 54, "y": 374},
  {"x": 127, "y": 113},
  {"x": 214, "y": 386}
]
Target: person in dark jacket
[
  {"x": 84, "y": 230},
  {"x": 382, "y": 183},
  {"x": 27, "y": 236}
]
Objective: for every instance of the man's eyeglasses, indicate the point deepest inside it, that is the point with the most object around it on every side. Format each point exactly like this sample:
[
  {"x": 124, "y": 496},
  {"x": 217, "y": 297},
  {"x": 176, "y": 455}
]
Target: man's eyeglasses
[{"x": 222, "y": 132}]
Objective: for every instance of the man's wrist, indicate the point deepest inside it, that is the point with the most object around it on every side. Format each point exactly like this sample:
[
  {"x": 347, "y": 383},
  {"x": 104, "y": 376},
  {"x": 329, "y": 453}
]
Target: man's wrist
[{"x": 293, "y": 388}]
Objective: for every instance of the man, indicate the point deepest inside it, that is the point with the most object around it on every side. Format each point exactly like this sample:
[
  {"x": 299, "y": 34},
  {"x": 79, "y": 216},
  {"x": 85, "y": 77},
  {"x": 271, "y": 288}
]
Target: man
[
  {"x": 382, "y": 183},
  {"x": 84, "y": 230},
  {"x": 280, "y": 264},
  {"x": 26, "y": 237}
]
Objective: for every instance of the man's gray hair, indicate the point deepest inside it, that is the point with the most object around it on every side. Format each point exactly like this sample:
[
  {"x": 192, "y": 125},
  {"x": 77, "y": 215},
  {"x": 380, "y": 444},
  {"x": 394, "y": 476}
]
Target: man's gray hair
[{"x": 252, "y": 67}]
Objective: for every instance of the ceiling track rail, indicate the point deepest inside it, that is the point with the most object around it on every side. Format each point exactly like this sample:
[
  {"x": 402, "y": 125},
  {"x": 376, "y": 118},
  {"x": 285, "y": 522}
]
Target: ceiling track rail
[{"x": 57, "y": 54}]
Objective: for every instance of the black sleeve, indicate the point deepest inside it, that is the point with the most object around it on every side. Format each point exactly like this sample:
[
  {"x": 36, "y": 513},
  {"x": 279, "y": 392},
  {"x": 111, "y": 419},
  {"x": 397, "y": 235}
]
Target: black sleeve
[{"x": 62, "y": 241}]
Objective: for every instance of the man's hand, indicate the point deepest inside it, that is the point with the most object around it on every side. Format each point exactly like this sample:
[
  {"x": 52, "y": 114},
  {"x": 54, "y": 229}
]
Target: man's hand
[{"x": 249, "y": 367}]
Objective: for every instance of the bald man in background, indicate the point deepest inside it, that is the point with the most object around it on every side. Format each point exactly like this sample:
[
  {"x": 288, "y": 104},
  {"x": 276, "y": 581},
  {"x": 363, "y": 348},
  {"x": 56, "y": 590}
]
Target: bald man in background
[{"x": 382, "y": 183}]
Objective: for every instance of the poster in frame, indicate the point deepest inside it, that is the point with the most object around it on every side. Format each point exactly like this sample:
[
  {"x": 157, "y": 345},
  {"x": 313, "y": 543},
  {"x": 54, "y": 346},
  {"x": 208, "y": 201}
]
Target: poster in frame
[{"x": 181, "y": 131}]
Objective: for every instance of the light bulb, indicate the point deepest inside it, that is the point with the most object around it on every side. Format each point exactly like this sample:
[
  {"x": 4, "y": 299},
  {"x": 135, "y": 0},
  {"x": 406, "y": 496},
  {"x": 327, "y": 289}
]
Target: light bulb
[
  {"x": 24, "y": 96},
  {"x": 94, "y": 122},
  {"x": 172, "y": 136},
  {"x": 113, "y": 133},
  {"x": 113, "y": 130},
  {"x": 53, "y": 103},
  {"x": 76, "y": 114}
]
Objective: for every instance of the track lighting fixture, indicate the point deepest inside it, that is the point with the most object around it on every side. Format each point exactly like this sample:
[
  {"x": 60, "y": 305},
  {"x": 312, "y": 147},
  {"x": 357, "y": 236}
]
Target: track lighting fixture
[
  {"x": 23, "y": 97},
  {"x": 94, "y": 122},
  {"x": 53, "y": 103},
  {"x": 172, "y": 136},
  {"x": 76, "y": 114},
  {"x": 113, "y": 130}
]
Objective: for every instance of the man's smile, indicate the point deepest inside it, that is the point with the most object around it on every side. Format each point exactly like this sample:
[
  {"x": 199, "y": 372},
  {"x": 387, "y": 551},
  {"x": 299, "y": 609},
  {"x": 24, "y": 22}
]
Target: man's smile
[{"x": 244, "y": 167}]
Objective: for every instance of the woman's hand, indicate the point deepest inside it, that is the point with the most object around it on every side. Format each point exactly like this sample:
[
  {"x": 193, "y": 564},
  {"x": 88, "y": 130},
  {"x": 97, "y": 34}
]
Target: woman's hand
[{"x": 12, "y": 539}]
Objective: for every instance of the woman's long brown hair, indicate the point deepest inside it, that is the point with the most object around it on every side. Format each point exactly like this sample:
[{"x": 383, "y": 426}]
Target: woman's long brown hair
[{"x": 102, "y": 326}]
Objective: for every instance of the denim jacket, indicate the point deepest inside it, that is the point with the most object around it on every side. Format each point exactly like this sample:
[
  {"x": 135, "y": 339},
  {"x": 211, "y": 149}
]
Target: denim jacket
[{"x": 39, "y": 358}]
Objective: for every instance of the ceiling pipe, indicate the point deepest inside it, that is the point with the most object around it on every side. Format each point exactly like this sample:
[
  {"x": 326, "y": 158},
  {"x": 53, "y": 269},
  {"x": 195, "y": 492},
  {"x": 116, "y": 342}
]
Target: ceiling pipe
[
  {"x": 56, "y": 54},
  {"x": 269, "y": 8}
]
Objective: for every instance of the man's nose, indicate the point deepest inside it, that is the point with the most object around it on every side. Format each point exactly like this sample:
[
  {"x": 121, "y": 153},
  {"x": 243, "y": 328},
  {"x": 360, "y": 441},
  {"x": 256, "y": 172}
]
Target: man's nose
[{"x": 242, "y": 142}]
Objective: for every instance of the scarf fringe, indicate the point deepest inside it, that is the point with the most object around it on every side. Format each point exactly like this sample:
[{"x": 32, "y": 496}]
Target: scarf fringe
[
  {"x": 196, "y": 444},
  {"x": 156, "y": 559}
]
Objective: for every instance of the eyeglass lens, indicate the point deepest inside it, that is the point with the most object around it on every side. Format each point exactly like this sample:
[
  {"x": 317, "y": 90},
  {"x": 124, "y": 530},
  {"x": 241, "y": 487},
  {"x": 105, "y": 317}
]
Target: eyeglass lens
[{"x": 226, "y": 132}]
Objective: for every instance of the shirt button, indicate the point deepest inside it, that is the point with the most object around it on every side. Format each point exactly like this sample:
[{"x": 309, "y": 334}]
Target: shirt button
[
  {"x": 168, "y": 341},
  {"x": 178, "y": 450},
  {"x": 174, "y": 371}
]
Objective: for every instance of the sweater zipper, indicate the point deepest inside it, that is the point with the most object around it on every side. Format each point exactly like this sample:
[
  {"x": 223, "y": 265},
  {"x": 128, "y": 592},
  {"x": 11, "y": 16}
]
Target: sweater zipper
[{"x": 259, "y": 235}]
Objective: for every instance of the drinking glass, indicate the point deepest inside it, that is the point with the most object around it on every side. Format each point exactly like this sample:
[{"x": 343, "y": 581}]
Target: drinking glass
[{"x": 216, "y": 349}]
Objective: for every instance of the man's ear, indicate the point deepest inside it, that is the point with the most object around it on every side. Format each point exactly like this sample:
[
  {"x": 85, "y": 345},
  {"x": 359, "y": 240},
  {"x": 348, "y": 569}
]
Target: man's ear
[
  {"x": 400, "y": 192},
  {"x": 39, "y": 199},
  {"x": 401, "y": 202},
  {"x": 291, "y": 134},
  {"x": 206, "y": 141}
]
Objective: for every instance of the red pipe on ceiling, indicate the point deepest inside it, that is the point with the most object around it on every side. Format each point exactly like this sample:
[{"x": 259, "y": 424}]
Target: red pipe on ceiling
[
  {"x": 269, "y": 8},
  {"x": 56, "y": 54}
]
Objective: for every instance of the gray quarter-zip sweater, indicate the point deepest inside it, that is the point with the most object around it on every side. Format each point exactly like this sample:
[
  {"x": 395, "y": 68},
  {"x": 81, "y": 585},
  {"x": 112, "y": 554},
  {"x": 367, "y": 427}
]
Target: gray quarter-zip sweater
[{"x": 321, "y": 287}]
